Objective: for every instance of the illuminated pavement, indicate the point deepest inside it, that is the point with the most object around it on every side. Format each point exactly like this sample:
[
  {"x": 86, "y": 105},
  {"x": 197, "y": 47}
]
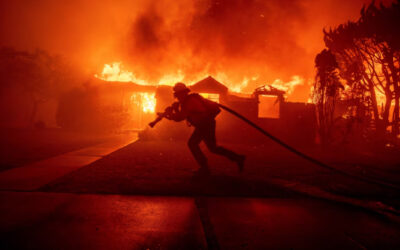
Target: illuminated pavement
[
  {"x": 166, "y": 168},
  {"x": 35, "y": 175},
  {"x": 37, "y": 220},
  {"x": 66, "y": 221},
  {"x": 103, "y": 205}
]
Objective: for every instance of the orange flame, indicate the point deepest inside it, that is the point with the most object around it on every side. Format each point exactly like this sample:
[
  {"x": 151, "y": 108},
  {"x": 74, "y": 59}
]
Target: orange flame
[
  {"x": 146, "y": 101},
  {"x": 288, "y": 87},
  {"x": 114, "y": 72}
]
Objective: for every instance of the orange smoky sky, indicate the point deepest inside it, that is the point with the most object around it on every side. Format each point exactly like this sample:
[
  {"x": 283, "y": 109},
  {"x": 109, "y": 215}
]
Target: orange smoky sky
[{"x": 257, "y": 41}]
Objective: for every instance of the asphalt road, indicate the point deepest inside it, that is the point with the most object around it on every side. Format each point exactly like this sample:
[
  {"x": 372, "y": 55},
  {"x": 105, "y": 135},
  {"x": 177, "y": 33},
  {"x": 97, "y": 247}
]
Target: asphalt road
[
  {"x": 144, "y": 196},
  {"x": 87, "y": 221}
]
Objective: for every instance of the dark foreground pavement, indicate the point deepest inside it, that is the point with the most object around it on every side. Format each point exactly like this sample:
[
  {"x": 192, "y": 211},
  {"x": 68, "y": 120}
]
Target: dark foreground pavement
[
  {"x": 166, "y": 168},
  {"x": 144, "y": 196},
  {"x": 80, "y": 221}
]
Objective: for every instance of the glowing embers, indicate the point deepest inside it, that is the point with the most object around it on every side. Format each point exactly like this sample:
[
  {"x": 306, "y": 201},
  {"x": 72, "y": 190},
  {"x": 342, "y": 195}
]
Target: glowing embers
[
  {"x": 210, "y": 96},
  {"x": 145, "y": 101},
  {"x": 268, "y": 106}
]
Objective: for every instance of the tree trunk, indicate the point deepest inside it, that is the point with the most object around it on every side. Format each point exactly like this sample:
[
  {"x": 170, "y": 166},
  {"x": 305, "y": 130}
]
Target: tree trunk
[
  {"x": 379, "y": 124},
  {"x": 395, "y": 128},
  {"x": 386, "y": 112},
  {"x": 395, "y": 78}
]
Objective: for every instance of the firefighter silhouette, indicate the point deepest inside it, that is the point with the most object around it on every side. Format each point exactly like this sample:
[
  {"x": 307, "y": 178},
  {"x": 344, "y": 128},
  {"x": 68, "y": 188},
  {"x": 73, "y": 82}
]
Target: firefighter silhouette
[{"x": 200, "y": 113}]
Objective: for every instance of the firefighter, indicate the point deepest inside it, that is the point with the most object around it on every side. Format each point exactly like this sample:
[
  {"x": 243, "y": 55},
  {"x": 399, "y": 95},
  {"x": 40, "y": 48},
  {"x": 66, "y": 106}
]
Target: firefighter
[{"x": 200, "y": 113}]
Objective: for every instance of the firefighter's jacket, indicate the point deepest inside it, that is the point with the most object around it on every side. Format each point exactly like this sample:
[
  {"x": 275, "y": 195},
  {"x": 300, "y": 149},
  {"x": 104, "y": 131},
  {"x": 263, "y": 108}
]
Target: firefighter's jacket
[{"x": 193, "y": 108}]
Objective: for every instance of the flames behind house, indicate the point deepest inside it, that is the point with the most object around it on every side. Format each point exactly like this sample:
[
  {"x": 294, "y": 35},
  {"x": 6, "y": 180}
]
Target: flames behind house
[{"x": 266, "y": 106}]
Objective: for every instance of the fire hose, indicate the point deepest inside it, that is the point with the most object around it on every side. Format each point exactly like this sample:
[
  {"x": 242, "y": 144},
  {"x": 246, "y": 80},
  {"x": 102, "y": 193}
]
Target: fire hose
[
  {"x": 307, "y": 157},
  {"x": 290, "y": 148}
]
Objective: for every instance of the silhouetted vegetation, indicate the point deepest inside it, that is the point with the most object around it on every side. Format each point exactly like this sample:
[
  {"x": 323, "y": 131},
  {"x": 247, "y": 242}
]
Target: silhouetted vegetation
[
  {"x": 27, "y": 80},
  {"x": 326, "y": 93},
  {"x": 364, "y": 56}
]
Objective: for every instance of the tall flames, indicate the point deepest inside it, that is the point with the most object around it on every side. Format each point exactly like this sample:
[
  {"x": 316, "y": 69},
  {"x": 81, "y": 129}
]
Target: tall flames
[
  {"x": 115, "y": 72},
  {"x": 243, "y": 44},
  {"x": 289, "y": 86}
]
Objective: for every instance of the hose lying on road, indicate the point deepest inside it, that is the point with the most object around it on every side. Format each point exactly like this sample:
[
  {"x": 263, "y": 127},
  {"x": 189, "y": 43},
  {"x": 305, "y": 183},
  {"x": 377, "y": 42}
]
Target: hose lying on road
[{"x": 309, "y": 158}]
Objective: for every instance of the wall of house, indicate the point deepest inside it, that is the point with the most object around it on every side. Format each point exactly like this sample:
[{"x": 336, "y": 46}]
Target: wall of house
[{"x": 296, "y": 123}]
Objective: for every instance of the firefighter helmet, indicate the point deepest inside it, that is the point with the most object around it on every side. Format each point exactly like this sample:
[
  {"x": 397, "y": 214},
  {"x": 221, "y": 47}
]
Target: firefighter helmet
[{"x": 180, "y": 87}]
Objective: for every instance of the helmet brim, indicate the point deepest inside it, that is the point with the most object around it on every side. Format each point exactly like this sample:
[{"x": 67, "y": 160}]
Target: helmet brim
[{"x": 187, "y": 90}]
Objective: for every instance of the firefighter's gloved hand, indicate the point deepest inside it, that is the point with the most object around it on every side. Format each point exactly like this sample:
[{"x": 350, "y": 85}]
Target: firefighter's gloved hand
[
  {"x": 168, "y": 113},
  {"x": 175, "y": 106}
]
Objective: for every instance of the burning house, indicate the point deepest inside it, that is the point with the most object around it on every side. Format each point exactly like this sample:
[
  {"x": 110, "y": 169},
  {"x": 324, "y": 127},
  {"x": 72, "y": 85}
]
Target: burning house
[
  {"x": 266, "y": 106},
  {"x": 126, "y": 105},
  {"x": 137, "y": 101}
]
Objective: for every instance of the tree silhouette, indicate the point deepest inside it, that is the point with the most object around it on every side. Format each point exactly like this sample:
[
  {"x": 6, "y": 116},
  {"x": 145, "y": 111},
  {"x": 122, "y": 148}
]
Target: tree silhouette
[
  {"x": 326, "y": 92},
  {"x": 367, "y": 52},
  {"x": 37, "y": 75}
]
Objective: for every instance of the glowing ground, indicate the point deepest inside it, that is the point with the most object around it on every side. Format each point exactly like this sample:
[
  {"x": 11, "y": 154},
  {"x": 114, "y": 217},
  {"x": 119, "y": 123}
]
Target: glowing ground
[{"x": 144, "y": 196}]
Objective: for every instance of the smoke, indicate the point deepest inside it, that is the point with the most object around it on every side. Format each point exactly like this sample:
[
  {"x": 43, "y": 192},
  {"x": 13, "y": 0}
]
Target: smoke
[
  {"x": 242, "y": 41},
  {"x": 237, "y": 37}
]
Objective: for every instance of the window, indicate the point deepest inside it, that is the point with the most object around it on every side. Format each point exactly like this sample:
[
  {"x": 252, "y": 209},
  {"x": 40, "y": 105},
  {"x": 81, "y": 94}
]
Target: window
[
  {"x": 268, "y": 106},
  {"x": 212, "y": 97}
]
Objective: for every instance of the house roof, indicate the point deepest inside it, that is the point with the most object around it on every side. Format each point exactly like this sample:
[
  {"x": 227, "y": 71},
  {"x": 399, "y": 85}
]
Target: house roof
[
  {"x": 209, "y": 85},
  {"x": 121, "y": 86}
]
